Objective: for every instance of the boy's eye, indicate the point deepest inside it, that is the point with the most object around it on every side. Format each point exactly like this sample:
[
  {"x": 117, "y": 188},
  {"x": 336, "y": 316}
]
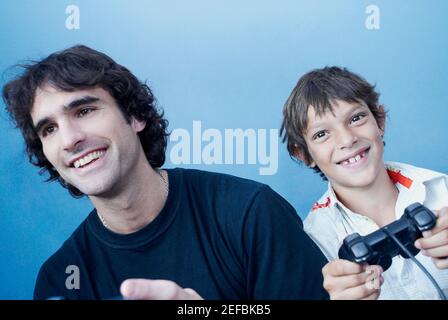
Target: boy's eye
[
  {"x": 319, "y": 135},
  {"x": 358, "y": 117}
]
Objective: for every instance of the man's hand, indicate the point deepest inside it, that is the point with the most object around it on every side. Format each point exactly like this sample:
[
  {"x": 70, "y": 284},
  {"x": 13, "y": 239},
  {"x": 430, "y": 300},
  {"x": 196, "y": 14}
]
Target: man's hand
[
  {"x": 144, "y": 289},
  {"x": 345, "y": 280},
  {"x": 434, "y": 243}
]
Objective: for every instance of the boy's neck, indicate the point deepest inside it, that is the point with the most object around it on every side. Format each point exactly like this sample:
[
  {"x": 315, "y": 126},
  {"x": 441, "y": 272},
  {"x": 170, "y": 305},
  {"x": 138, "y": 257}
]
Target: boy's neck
[{"x": 376, "y": 201}]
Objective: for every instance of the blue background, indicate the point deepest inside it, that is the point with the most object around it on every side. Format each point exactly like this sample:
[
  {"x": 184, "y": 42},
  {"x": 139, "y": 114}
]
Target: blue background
[{"x": 229, "y": 64}]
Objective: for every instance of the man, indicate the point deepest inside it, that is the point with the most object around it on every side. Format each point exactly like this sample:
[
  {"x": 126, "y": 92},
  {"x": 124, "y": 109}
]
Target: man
[{"x": 154, "y": 234}]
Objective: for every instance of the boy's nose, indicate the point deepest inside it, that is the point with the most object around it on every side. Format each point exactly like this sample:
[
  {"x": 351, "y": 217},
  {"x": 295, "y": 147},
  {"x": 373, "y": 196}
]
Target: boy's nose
[{"x": 346, "y": 138}]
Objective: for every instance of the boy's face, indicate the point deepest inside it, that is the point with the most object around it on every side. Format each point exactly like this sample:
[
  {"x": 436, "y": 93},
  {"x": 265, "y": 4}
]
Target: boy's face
[
  {"x": 347, "y": 146},
  {"x": 86, "y": 138}
]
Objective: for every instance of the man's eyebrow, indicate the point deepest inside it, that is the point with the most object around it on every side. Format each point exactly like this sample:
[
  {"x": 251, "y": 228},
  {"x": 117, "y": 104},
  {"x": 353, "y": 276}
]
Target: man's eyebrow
[
  {"x": 41, "y": 123},
  {"x": 80, "y": 101},
  {"x": 73, "y": 104}
]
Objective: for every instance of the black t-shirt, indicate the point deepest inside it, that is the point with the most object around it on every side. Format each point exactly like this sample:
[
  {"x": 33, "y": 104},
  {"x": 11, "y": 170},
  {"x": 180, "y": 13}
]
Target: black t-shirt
[{"x": 223, "y": 236}]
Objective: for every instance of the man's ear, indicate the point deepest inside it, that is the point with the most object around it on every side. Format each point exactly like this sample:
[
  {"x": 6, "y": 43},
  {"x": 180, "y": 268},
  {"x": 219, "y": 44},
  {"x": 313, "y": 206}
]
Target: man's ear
[
  {"x": 298, "y": 154},
  {"x": 138, "y": 125}
]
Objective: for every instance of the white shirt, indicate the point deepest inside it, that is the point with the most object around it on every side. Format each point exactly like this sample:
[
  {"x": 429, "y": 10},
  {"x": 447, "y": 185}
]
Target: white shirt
[{"x": 329, "y": 222}]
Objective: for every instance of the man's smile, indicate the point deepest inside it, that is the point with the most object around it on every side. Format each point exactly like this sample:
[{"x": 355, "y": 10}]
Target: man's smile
[{"x": 88, "y": 160}]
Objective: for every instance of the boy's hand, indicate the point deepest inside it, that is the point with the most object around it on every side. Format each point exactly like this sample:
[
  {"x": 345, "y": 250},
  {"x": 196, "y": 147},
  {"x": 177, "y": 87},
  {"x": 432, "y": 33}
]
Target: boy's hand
[
  {"x": 434, "y": 243},
  {"x": 345, "y": 280},
  {"x": 145, "y": 289}
]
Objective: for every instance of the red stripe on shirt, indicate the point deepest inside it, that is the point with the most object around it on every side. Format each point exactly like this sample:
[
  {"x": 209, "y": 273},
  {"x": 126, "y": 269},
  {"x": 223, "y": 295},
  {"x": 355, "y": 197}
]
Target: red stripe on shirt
[
  {"x": 397, "y": 177},
  {"x": 318, "y": 205}
]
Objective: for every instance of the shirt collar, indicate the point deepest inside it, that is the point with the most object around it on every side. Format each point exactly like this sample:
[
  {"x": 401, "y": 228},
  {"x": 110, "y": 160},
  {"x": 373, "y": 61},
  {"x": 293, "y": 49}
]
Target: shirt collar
[
  {"x": 408, "y": 176},
  {"x": 336, "y": 204},
  {"x": 410, "y": 181}
]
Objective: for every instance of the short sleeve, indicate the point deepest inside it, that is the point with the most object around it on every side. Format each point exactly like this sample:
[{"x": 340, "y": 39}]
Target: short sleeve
[{"x": 283, "y": 262}]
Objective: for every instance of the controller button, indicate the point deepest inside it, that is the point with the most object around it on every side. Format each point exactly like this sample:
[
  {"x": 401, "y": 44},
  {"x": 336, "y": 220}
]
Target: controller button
[
  {"x": 360, "y": 250},
  {"x": 423, "y": 218}
]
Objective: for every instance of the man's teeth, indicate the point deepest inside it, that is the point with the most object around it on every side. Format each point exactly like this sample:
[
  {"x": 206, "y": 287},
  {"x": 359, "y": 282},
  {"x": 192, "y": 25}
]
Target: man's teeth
[
  {"x": 88, "y": 158},
  {"x": 354, "y": 159}
]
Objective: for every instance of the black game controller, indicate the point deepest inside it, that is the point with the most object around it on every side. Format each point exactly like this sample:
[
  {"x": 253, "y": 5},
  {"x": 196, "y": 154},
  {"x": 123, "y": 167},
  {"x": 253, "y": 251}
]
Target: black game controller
[{"x": 378, "y": 248}]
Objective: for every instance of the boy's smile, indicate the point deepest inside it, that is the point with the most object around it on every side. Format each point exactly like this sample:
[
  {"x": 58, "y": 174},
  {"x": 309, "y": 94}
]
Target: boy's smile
[
  {"x": 346, "y": 144},
  {"x": 356, "y": 159}
]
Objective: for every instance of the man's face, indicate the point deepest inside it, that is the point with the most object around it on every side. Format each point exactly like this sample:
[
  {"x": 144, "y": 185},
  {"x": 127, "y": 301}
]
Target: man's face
[
  {"x": 86, "y": 138},
  {"x": 347, "y": 146}
]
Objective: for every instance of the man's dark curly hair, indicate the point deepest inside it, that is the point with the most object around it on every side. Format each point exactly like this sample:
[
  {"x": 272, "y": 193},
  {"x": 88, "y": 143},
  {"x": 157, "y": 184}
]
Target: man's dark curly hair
[{"x": 77, "y": 68}]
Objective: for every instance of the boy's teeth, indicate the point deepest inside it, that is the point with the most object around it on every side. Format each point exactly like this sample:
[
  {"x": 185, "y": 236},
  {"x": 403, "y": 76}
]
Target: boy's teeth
[
  {"x": 88, "y": 158},
  {"x": 353, "y": 160}
]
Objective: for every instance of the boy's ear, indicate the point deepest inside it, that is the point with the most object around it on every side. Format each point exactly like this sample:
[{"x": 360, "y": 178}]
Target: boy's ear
[
  {"x": 298, "y": 154},
  {"x": 382, "y": 120},
  {"x": 138, "y": 125}
]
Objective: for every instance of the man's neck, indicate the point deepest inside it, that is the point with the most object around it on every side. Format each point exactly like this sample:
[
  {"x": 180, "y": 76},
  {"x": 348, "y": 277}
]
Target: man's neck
[
  {"x": 376, "y": 201},
  {"x": 137, "y": 201}
]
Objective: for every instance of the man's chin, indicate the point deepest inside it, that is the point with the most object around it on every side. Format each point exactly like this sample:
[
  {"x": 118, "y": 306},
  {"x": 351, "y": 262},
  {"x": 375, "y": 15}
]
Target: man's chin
[
  {"x": 100, "y": 192},
  {"x": 93, "y": 191}
]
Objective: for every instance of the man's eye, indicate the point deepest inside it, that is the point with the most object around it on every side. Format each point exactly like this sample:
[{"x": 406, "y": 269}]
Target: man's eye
[
  {"x": 48, "y": 130},
  {"x": 319, "y": 135},
  {"x": 84, "y": 111}
]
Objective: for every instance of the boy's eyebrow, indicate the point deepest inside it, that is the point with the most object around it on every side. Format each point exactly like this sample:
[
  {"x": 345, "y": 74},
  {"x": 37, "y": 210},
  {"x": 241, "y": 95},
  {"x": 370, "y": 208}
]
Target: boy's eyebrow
[
  {"x": 355, "y": 108},
  {"x": 315, "y": 125},
  {"x": 73, "y": 104}
]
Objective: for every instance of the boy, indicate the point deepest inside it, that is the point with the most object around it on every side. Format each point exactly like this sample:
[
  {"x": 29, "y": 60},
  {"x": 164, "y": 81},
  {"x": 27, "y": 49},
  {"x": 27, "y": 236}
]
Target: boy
[{"x": 333, "y": 123}]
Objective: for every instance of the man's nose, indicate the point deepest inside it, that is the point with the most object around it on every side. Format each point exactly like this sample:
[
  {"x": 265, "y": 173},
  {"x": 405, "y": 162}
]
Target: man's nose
[{"x": 71, "y": 135}]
